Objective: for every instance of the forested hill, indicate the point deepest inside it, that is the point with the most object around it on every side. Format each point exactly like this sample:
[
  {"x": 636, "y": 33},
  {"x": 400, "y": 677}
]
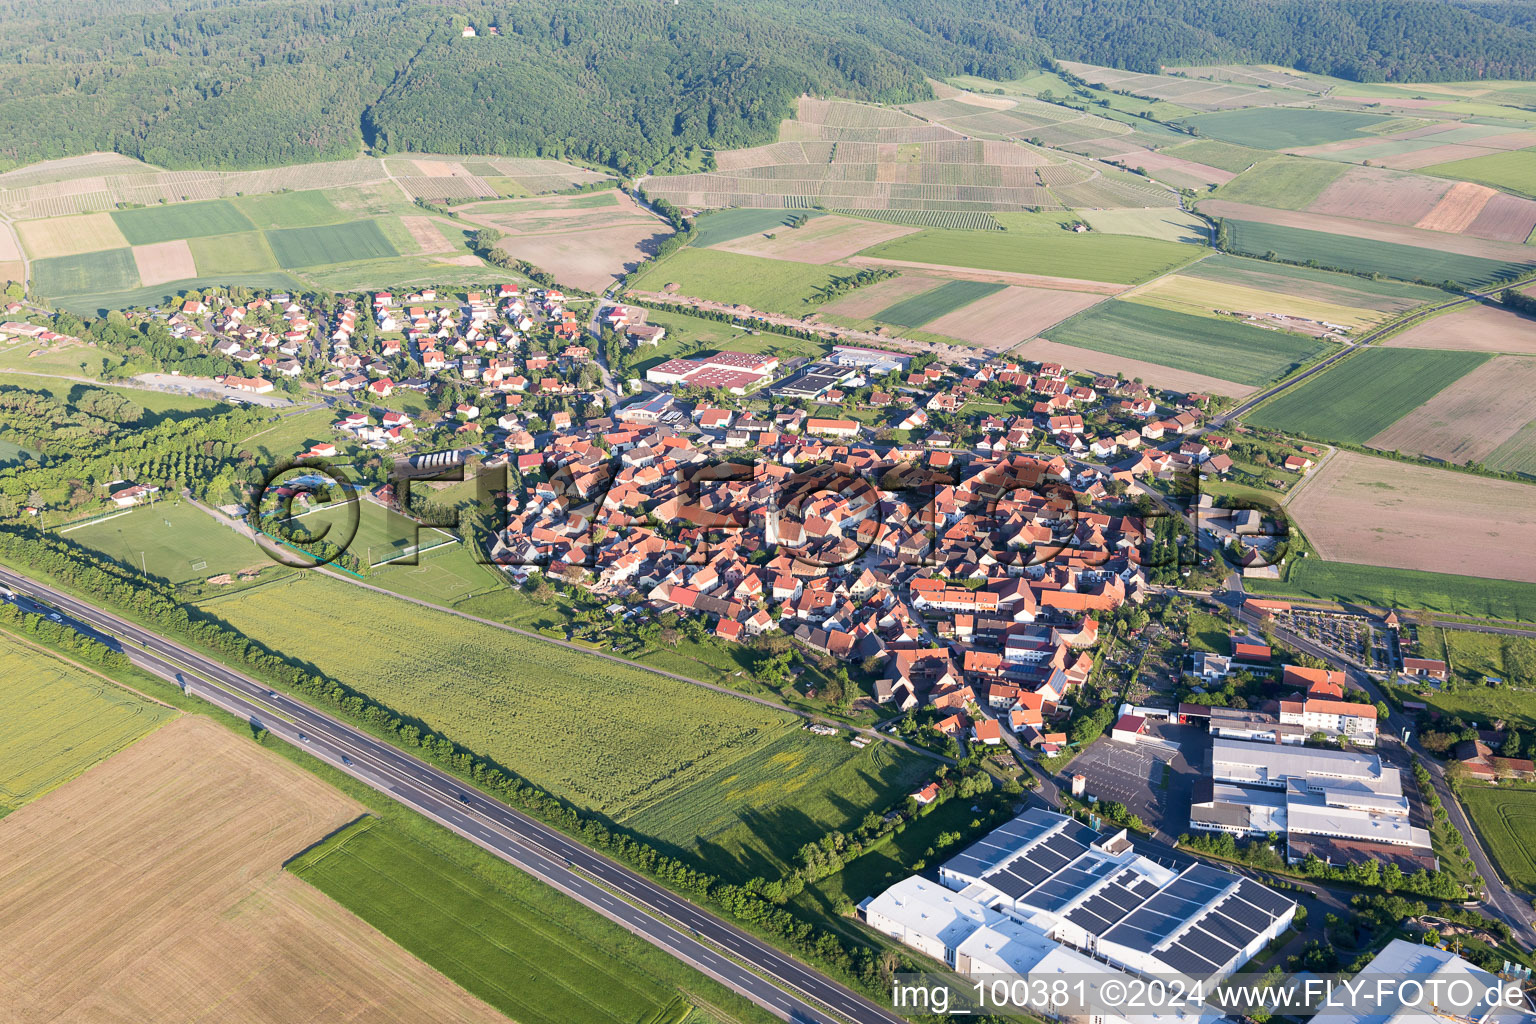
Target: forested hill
[{"x": 246, "y": 83}]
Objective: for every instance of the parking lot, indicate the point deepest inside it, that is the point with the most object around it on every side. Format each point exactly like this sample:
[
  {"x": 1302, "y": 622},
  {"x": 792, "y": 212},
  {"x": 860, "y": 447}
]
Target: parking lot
[{"x": 1152, "y": 778}]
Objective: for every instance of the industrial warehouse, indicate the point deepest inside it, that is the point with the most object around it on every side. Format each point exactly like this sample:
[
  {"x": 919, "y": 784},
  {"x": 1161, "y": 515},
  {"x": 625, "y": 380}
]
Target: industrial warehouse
[
  {"x": 1046, "y": 894},
  {"x": 1340, "y": 805}
]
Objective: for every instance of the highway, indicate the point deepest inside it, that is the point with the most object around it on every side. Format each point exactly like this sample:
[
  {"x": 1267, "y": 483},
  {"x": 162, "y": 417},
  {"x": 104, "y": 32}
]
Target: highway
[{"x": 794, "y": 993}]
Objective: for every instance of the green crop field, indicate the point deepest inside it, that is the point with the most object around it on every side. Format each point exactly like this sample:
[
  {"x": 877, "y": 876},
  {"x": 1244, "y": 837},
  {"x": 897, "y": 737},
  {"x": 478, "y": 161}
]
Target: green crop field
[
  {"x": 1287, "y": 182},
  {"x": 58, "y": 721},
  {"x": 1324, "y": 285},
  {"x": 778, "y": 286},
  {"x": 1364, "y": 394},
  {"x": 1517, "y": 454},
  {"x": 291, "y": 209},
  {"x": 1220, "y": 348},
  {"x": 1367, "y": 256},
  {"x": 1284, "y": 127},
  {"x": 245, "y": 252},
  {"x": 334, "y": 243},
  {"x": 522, "y": 947},
  {"x": 603, "y": 734},
  {"x": 756, "y": 812},
  {"x": 1402, "y": 588},
  {"x": 180, "y": 220},
  {"x": 936, "y": 302},
  {"x": 1221, "y": 155},
  {"x": 728, "y": 225},
  {"x": 1515, "y": 171},
  {"x": 168, "y": 539},
  {"x": 1118, "y": 259},
  {"x": 111, "y": 270},
  {"x": 95, "y": 303},
  {"x": 1505, "y": 819}
]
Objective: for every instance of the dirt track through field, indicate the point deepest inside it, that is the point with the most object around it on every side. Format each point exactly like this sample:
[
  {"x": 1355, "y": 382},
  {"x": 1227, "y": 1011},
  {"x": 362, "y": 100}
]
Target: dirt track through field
[
  {"x": 1374, "y": 511},
  {"x": 151, "y": 889}
]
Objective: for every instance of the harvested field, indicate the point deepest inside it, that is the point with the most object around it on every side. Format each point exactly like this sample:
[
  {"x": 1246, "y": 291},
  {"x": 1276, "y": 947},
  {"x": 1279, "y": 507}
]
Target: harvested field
[
  {"x": 211, "y": 928},
  {"x": 1506, "y": 218},
  {"x": 1176, "y": 170},
  {"x": 1360, "y": 229},
  {"x": 164, "y": 261},
  {"x": 1012, "y": 315},
  {"x": 1364, "y": 394},
  {"x": 1373, "y": 511},
  {"x": 440, "y": 169},
  {"x": 867, "y": 301},
  {"x": 1367, "y": 193},
  {"x": 1191, "y": 294},
  {"x": 592, "y": 259},
  {"x": 425, "y": 234},
  {"x": 1470, "y": 418},
  {"x": 59, "y": 721},
  {"x": 1476, "y": 328},
  {"x": 947, "y": 298},
  {"x": 70, "y": 236},
  {"x": 1456, "y": 211},
  {"x": 823, "y": 240},
  {"x": 1072, "y": 357}
]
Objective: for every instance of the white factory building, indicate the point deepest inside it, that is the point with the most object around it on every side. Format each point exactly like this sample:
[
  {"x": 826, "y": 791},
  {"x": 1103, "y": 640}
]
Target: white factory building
[
  {"x": 1465, "y": 992},
  {"x": 1337, "y": 804},
  {"x": 1046, "y": 894}
]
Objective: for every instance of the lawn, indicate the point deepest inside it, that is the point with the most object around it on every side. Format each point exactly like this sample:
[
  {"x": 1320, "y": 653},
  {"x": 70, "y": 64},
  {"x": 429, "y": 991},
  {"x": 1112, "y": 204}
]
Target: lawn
[
  {"x": 1380, "y": 587},
  {"x": 602, "y": 734},
  {"x": 1477, "y": 657},
  {"x": 936, "y": 302},
  {"x": 1505, "y": 819},
  {"x": 1366, "y": 256},
  {"x": 1364, "y": 394},
  {"x": 334, "y": 243},
  {"x": 380, "y": 535},
  {"x": 1118, "y": 259},
  {"x": 513, "y": 942},
  {"x": 291, "y": 209},
  {"x": 1284, "y": 127},
  {"x": 1515, "y": 171},
  {"x": 728, "y": 225},
  {"x": 58, "y": 721},
  {"x": 778, "y": 286},
  {"x": 169, "y": 539},
  {"x": 1200, "y": 344},
  {"x": 180, "y": 220},
  {"x": 1287, "y": 182},
  {"x": 245, "y": 252},
  {"x": 749, "y": 817},
  {"x": 111, "y": 270}
]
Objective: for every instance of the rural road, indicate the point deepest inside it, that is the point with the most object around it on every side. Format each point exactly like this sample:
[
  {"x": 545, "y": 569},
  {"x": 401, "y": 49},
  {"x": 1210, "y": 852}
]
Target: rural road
[{"x": 780, "y": 984}]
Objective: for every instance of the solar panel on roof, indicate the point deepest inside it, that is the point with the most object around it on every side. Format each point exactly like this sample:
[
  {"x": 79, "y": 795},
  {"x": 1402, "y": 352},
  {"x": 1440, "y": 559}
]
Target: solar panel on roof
[
  {"x": 1146, "y": 917},
  {"x": 1085, "y": 918},
  {"x": 1206, "y": 875},
  {"x": 1144, "y": 887},
  {"x": 1121, "y": 897},
  {"x": 1267, "y": 900},
  {"x": 1167, "y": 903},
  {"x": 1188, "y": 889},
  {"x": 1226, "y": 929},
  {"x": 1186, "y": 962},
  {"x": 1127, "y": 934},
  {"x": 1208, "y": 946}
]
